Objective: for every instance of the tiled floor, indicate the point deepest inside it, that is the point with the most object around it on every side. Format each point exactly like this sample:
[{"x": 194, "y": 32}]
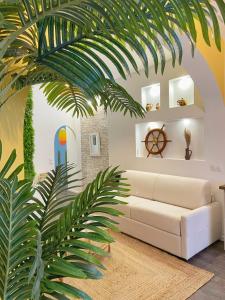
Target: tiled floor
[{"x": 213, "y": 260}]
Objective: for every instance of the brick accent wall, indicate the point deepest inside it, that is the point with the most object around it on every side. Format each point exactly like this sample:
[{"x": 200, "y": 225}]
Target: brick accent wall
[{"x": 92, "y": 165}]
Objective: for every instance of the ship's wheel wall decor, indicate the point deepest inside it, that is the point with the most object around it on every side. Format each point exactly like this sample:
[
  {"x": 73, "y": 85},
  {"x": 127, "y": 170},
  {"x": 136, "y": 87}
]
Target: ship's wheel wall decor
[{"x": 156, "y": 141}]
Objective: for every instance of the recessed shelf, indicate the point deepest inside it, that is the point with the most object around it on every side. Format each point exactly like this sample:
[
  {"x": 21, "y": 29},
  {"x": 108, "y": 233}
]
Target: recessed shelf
[
  {"x": 151, "y": 97},
  {"x": 172, "y": 159},
  {"x": 175, "y": 131},
  {"x": 181, "y": 89}
]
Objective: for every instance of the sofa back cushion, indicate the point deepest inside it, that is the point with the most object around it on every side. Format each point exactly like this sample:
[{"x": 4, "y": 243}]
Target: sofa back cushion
[
  {"x": 142, "y": 183},
  {"x": 186, "y": 192}
]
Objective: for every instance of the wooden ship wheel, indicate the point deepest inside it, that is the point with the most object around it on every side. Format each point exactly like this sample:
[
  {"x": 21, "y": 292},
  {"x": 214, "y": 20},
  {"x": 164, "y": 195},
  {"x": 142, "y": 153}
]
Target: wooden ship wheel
[{"x": 156, "y": 141}]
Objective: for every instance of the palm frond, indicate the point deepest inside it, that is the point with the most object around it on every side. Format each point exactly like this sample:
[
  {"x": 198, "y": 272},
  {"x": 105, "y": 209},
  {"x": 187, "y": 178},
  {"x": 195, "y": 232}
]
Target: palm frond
[
  {"x": 17, "y": 239},
  {"x": 58, "y": 290},
  {"x": 25, "y": 15},
  {"x": 69, "y": 98},
  {"x": 75, "y": 39},
  {"x": 82, "y": 220},
  {"x": 52, "y": 195},
  {"x": 113, "y": 97},
  {"x": 31, "y": 227},
  {"x": 7, "y": 171},
  {"x": 39, "y": 75}
]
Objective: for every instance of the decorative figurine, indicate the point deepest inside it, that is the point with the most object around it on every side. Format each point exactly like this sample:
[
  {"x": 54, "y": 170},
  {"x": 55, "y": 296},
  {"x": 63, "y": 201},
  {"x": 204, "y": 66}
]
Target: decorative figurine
[
  {"x": 157, "y": 106},
  {"x": 187, "y": 136},
  {"x": 149, "y": 107},
  {"x": 182, "y": 102}
]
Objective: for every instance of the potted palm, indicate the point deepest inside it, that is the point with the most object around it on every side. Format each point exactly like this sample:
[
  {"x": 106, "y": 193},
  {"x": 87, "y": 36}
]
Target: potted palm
[{"x": 45, "y": 232}]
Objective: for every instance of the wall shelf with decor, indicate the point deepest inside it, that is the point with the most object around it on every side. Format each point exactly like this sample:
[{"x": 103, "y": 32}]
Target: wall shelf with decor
[
  {"x": 172, "y": 159},
  {"x": 175, "y": 132},
  {"x": 150, "y": 97},
  {"x": 181, "y": 91},
  {"x": 174, "y": 98}
]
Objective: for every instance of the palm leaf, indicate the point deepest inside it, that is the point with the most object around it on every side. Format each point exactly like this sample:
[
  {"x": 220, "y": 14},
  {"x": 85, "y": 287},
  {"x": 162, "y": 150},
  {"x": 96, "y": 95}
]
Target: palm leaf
[
  {"x": 112, "y": 96},
  {"x": 115, "y": 98},
  {"x": 7, "y": 170},
  {"x": 67, "y": 251},
  {"x": 65, "y": 289},
  {"x": 73, "y": 38},
  {"x": 38, "y": 75},
  {"x": 17, "y": 239},
  {"x": 69, "y": 98},
  {"x": 52, "y": 196},
  {"x": 25, "y": 15}
]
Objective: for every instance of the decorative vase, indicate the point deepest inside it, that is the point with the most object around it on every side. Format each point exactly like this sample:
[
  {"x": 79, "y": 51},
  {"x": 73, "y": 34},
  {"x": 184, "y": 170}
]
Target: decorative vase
[
  {"x": 149, "y": 107},
  {"x": 182, "y": 102},
  {"x": 188, "y": 154}
]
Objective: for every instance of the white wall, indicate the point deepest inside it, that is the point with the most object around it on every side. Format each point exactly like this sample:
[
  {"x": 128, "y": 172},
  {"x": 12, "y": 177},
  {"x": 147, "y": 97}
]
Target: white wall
[
  {"x": 46, "y": 121},
  {"x": 122, "y": 143}
]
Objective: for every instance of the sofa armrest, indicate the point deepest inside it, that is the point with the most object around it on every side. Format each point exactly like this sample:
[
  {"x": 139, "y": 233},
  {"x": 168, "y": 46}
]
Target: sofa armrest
[{"x": 200, "y": 228}]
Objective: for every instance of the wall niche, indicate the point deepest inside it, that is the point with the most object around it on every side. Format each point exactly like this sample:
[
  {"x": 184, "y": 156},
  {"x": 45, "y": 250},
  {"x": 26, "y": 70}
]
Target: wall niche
[
  {"x": 150, "y": 97},
  {"x": 175, "y": 132},
  {"x": 181, "y": 88}
]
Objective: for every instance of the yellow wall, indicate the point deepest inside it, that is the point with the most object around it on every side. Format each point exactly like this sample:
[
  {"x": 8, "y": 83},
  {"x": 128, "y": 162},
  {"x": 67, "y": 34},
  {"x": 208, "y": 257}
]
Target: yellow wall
[
  {"x": 11, "y": 126},
  {"x": 214, "y": 58}
]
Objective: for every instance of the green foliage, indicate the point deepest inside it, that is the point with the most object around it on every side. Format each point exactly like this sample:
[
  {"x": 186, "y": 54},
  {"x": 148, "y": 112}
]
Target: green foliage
[
  {"x": 8, "y": 171},
  {"x": 28, "y": 138},
  {"x": 17, "y": 239},
  {"x": 17, "y": 231},
  {"x": 48, "y": 236},
  {"x": 76, "y": 42},
  {"x": 70, "y": 98}
]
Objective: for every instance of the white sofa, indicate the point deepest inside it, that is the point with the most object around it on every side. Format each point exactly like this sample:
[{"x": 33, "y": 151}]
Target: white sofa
[{"x": 173, "y": 213}]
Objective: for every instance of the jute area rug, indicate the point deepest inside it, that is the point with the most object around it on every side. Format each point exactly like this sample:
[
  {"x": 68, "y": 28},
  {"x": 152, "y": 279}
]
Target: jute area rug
[{"x": 137, "y": 271}]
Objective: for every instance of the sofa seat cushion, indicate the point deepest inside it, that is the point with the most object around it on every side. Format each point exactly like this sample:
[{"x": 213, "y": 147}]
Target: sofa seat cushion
[
  {"x": 131, "y": 200},
  {"x": 163, "y": 216}
]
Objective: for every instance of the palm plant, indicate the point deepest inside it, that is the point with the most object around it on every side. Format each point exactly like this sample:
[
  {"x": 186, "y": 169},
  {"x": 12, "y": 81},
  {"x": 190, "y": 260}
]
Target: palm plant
[
  {"x": 45, "y": 232},
  {"x": 67, "y": 46}
]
